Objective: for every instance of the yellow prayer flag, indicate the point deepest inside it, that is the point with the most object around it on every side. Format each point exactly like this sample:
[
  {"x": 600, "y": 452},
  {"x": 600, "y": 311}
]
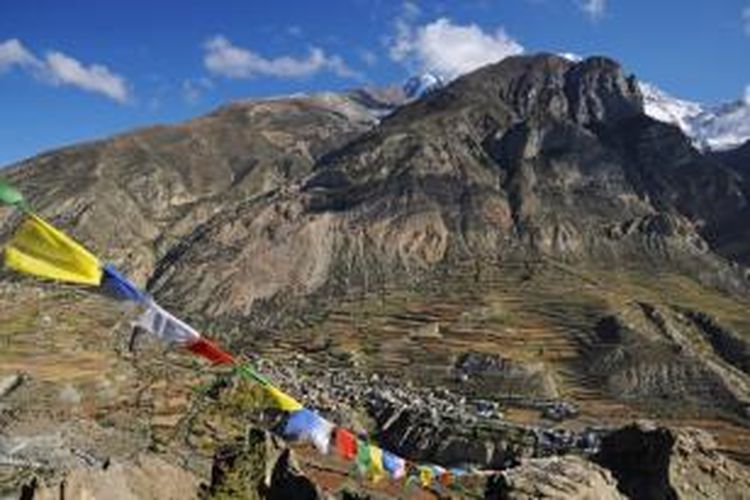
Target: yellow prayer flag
[
  {"x": 38, "y": 248},
  {"x": 376, "y": 462},
  {"x": 425, "y": 476},
  {"x": 284, "y": 401}
]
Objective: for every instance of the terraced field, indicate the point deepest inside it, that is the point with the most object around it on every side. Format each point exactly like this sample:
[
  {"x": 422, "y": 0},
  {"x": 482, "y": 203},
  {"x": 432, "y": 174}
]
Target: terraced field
[
  {"x": 56, "y": 335},
  {"x": 542, "y": 313}
]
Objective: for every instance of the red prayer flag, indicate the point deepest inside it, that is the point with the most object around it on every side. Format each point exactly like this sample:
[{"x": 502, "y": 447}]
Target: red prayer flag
[
  {"x": 210, "y": 351},
  {"x": 446, "y": 478},
  {"x": 346, "y": 444}
]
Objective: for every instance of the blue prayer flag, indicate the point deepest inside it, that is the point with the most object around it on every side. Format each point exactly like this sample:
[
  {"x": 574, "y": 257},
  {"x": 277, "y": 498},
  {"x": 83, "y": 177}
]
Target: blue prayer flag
[
  {"x": 308, "y": 426},
  {"x": 118, "y": 286},
  {"x": 394, "y": 465}
]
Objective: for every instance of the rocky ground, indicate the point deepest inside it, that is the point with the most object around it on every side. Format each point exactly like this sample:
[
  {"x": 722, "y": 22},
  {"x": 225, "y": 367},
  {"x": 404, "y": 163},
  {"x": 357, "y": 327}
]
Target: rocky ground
[
  {"x": 220, "y": 448},
  {"x": 433, "y": 375},
  {"x": 154, "y": 424}
]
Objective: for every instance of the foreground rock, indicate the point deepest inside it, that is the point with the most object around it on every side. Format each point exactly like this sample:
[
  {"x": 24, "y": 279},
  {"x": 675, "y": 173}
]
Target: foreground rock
[
  {"x": 148, "y": 477},
  {"x": 661, "y": 463},
  {"x": 555, "y": 477},
  {"x": 230, "y": 422},
  {"x": 259, "y": 466}
]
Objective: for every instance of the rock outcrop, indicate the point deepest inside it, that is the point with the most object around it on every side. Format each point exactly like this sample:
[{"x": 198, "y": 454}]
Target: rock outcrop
[
  {"x": 147, "y": 478},
  {"x": 659, "y": 463},
  {"x": 555, "y": 477},
  {"x": 655, "y": 356}
]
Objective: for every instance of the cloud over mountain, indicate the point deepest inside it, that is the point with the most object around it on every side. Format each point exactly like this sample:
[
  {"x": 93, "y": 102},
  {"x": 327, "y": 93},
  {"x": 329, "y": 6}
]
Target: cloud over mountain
[
  {"x": 223, "y": 58},
  {"x": 450, "y": 49},
  {"x": 58, "y": 69},
  {"x": 65, "y": 70}
]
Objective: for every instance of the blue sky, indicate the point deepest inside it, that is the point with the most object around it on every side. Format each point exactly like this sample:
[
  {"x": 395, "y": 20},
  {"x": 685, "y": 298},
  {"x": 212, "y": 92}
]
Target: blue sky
[{"x": 82, "y": 69}]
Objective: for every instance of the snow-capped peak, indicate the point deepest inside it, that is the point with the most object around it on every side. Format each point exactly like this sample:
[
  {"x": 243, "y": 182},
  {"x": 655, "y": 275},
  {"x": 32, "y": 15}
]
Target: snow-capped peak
[
  {"x": 421, "y": 85},
  {"x": 721, "y": 127},
  {"x": 571, "y": 56},
  {"x": 666, "y": 108}
]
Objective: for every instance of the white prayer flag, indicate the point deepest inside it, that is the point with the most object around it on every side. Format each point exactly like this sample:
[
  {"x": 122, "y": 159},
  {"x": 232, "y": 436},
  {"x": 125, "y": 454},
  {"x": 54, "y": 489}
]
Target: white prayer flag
[{"x": 165, "y": 326}]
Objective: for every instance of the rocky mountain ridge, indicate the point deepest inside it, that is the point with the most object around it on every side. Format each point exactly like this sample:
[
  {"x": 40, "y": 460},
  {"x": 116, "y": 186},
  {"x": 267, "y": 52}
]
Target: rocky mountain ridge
[
  {"x": 524, "y": 250},
  {"x": 534, "y": 154}
]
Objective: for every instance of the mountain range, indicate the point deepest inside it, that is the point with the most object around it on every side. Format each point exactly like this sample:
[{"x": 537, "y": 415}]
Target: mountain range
[{"x": 527, "y": 234}]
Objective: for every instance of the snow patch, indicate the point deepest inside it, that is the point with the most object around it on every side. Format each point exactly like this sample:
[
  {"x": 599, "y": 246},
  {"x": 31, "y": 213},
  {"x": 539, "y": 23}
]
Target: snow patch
[
  {"x": 421, "y": 85},
  {"x": 720, "y": 127}
]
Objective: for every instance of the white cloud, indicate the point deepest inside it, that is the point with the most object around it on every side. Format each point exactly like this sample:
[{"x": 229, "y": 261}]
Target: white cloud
[
  {"x": 746, "y": 19},
  {"x": 593, "y": 8},
  {"x": 404, "y": 27},
  {"x": 13, "y": 53},
  {"x": 449, "y": 49},
  {"x": 64, "y": 70},
  {"x": 59, "y": 69},
  {"x": 225, "y": 59}
]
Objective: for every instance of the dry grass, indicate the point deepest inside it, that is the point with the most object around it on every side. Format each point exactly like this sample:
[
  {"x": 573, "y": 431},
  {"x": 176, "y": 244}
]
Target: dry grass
[{"x": 56, "y": 336}]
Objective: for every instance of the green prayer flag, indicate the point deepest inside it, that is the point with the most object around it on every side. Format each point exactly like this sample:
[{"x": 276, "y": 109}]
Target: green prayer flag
[
  {"x": 363, "y": 456},
  {"x": 10, "y": 195},
  {"x": 246, "y": 370}
]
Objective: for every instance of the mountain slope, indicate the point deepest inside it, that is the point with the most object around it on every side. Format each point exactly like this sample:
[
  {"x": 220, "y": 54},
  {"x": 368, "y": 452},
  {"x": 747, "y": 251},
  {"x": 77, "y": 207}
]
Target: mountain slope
[
  {"x": 168, "y": 180},
  {"x": 524, "y": 156},
  {"x": 529, "y": 212},
  {"x": 476, "y": 190}
]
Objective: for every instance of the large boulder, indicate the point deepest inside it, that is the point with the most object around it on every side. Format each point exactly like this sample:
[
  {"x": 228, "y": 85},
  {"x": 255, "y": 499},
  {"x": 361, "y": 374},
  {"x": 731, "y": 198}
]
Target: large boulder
[
  {"x": 659, "y": 463},
  {"x": 148, "y": 477},
  {"x": 568, "y": 477}
]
